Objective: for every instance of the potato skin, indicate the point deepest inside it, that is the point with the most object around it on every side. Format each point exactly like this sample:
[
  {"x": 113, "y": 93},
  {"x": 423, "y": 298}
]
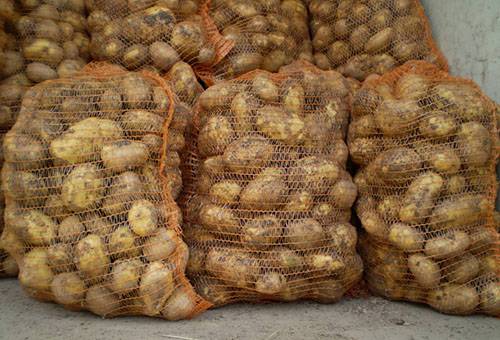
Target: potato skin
[
  {"x": 91, "y": 257},
  {"x": 425, "y": 270},
  {"x": 454, "y": 299},
  {"x": 68, "y": 289},
  {"x": 266, "y": 192},
  {"x": 83, "y": 188},
  {"x": 248, "y": 153}
]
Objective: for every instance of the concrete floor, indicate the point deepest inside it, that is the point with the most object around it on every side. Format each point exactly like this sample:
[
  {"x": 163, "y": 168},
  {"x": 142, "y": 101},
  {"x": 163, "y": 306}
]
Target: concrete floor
[{"x": 371, "y": 318}]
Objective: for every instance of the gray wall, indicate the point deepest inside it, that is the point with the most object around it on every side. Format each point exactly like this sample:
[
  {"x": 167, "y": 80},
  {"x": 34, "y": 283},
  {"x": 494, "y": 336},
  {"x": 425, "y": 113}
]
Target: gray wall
[{"x": 468, "y": 33}]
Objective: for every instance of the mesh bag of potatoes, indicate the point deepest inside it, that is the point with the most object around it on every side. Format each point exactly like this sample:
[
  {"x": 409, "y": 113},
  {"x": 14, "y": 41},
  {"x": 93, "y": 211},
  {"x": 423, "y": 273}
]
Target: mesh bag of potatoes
[
  {"x": 12, "y": 84},
  {"x": 167, "y": 35},
  {"x": 267, "y": 212},
  {"x": 263, "y": 34},
  {"x": 425, "y": 143},
  {"x": 89, "y": 217},
  {"x": 363, "y": 37},
  {"x": 45, "y": 40},
  {"x": 8, "y": 266}
]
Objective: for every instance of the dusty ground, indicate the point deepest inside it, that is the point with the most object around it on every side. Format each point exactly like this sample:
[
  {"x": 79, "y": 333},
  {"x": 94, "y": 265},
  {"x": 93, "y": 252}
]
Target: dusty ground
[{"x": 373, "y": 318}]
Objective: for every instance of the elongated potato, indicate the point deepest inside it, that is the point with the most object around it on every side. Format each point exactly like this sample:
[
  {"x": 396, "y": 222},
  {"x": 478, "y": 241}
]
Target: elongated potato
[
  {"x": 454, "y": 299},
  {"x": 420, "y": 197},
  {"x": 425, "y": 270},
  {"x": 157, "y": 285}
]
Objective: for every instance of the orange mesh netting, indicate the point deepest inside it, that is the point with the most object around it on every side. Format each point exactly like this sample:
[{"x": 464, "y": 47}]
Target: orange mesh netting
[
  {"x": 89, "y": 216},
  {"x": 425, "y": 143},
  {"x": 359, "y": 37},
  {"x": 267, "y": 206},
  {"x": 258, "y": 35}
]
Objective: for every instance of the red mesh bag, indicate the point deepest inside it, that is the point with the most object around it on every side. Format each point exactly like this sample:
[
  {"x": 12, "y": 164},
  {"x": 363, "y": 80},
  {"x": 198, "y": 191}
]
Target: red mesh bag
[
  {"x": 89, "y": 216},
  {"x": 359, "y": 37},
  {"x": 425, "y": 142},
  {"x": 258, "y": 35},
  {"x": 267, "y": 208}
]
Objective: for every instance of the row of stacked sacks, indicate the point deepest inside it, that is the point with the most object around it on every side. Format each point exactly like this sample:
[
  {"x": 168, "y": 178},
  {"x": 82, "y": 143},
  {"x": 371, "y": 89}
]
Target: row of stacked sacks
[
  {"x": 45, "y": 40},
  {"x": 363, "y": 37},
  {"x": 267, "y": 208},
  {"x": 425, "y": 144},
  {"x": 89, "y": 216}
]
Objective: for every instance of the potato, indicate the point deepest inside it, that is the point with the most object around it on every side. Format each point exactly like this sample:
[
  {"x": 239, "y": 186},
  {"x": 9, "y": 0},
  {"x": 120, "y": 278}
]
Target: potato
[
  {"x": 143, "y": 217},
  {"x": 389, "y": 207},
  {"x": 343, "y": 193},
  {"x": 437, "y": 124},
  {"x": 293, "y": 99},
  {"x": 265, "y": 192},
  {"x": 180, "y": 305},
  {"x": 34, "y": 271},
  {"x": 475, "y": 144},
  {"x": 282, "y": 126},
  {"x": 265, "y": 88},
  {"x": 27, "y": 151},
  {"x": 394, "y": 117},
  {"x": 225, "y": 192},
  {"x": 218, "y": 218},
  {"x": 121, "y": 243},
  {"x": 35, "y": 228},
  {"x": 13, "y": 63},
  {"x": 125, "y": 276},
  {"x": 9, "y": 266},
  {"x": 141, "y": 122},
  {"x": 215, "y": 136},
  {"x": 69, "y": 68},
  {"x": 490, "y": 298},
  {"x": 91, "y": 257},
  {"x": 449, "y": 245},
  {"x": 163, "y": 55},
  {"x": 261, "y": 232},
  {"x": 359, "y": 37},
  {"x": 137, "y": 94},
  {"x": 83, "y": 140},
  {"x": 214, "y": 97},
  {"x": 299, "y": 201},
  {"x": 123, "y": 155},
  {"x": 38, "y": 72},
  {"x": 247, "y": 154},
  {"x": 454, "y": 299},
  {"x": 187, "y": 36},
  {"x": 160, "y": 245},
  {"x": 270, "y": 283},
  {"x": 60, "y": 257},
  {"x": 286, "y": 259},
  {"x": 68, "y": 289},
  {"x": 326, "y": 263},
  {"x": 412, "y": 86},
  {"x": 406, "y": 237},
  {"x": 425, "y": 270},
  {"x": 461, "y": 100},
  {"x": 444, "y": 160},
  {"x": 314, "y": 173},
  {"x": 380, "y": 41},
  {"x": 157, "y": 285},
  {"x": 101, "y": 301},
  {"x": 125, "y": 189},
  {"x": 238, "y": 269},
  {"x": 420, "y": 197},
  {"x": 43, "y": 50},
  {"x": 397, "y": 164},
  {"x": 82, "y": 188},
  {"x": 463, "y": 269},
  {"x": 304, "y": 234},
  {"x": 363, "y": 150},
  {"x": 459, "y": 211},
  {"x": 373, "y": 223}
]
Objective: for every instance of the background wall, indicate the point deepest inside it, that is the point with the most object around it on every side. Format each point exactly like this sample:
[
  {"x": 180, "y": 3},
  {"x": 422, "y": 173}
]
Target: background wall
[{"x": 468, "y": 33}]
